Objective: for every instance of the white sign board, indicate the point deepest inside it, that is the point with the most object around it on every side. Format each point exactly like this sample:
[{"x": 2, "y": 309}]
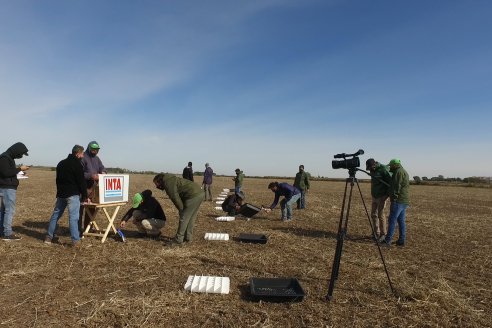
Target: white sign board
[{"x": 113, "y": 188}]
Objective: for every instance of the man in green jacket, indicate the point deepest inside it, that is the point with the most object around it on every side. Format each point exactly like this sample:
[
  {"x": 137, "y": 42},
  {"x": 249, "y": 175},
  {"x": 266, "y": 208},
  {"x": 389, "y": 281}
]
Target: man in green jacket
[
  {"x": 380, "y": 183},
  {"x": 301, "y": 182},
  {"x": 238, "y": 181},
  {"x": 398, "y": 194},
  {"x": 187, "y": 197}
]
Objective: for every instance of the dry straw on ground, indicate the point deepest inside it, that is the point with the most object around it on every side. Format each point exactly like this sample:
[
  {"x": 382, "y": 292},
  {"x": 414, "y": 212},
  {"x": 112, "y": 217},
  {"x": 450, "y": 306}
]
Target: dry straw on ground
[{"x": 442, "y": 277}]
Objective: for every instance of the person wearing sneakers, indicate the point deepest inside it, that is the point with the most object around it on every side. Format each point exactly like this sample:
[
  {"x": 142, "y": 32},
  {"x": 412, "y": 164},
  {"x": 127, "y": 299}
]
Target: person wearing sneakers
[
  {"x": 187, "y": 197},
  {"x": 380, "y": 182},
  {"x": 147, "y": 214},
  {"x": 70, "y": 190},
  {"x": 8, "y": 187},
  {"x": 398, "y": 193},
  {"x": 291, "y": 195}
]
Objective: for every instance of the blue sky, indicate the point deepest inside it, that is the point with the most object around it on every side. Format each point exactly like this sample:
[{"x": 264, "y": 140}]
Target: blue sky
[{"x": 260, "y": 85}]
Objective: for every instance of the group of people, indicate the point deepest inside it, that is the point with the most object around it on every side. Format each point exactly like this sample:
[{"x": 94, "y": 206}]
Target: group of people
[
  {"x": 77, "y": 176},
  {"x": 392, "y": 183}
]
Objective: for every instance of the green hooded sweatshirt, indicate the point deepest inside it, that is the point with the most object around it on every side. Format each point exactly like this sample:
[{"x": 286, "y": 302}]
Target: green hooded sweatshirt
[
  {"x": 301, "y": 181},
  {"x": 238, "y": 180},
  {"x": 400, "y": 184},
  {"x": 378, "y": 188},
  {"x": 179, "y": 189}
]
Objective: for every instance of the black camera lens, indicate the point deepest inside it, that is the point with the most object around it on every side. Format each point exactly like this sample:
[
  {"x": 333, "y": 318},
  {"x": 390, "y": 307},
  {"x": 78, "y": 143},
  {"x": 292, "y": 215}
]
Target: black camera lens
[{"x": 350, "y": 163}]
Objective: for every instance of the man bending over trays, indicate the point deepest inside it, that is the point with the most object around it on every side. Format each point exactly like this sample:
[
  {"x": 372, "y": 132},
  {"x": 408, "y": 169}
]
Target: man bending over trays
[{"x": 291, "y": 195}]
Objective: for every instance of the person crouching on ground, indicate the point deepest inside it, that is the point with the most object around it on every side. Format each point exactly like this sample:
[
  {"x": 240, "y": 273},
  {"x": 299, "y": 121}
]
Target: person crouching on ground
[
  {"x": 232, "y": 204},
  {"x": 187, "y": 197},
  {"x": 70, "y": 190},
  {"x": 291, "y": 195},
  {"x": 147, "y": 214}
]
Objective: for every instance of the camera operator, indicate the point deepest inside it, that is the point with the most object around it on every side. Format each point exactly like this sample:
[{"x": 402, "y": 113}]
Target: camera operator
[
  {"x": 399, "y": 187},
  {"x": 380, "y": 182}
]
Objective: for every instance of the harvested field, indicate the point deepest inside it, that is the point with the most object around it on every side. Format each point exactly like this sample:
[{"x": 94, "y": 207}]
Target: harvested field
[{"x": 443, "y": 277}]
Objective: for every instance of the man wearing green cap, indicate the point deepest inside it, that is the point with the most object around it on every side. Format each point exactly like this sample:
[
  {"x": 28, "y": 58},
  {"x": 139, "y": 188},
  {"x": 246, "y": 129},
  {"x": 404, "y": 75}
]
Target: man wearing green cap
[
  {"x": 399, "y": 187},
  {"x": 147, "y": 214},
  {"x": 92, "y": 166},
  {"x": 187, "y": 197}
]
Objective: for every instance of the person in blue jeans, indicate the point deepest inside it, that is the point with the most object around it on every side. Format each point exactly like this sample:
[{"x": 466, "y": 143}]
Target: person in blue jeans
[
  {"x": 399, "y": 188},
  {"x": 70, "y": 189},
  {"x": 8, "y": 187},
  {"x": 291, "y": 195}
]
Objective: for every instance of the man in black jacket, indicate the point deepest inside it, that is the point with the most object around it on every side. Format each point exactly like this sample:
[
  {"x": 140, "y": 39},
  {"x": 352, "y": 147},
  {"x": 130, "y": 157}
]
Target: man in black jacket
[
  {"x": 8, "y": 187},
  {"x": 188, "y": 172},
  {"x": 147, "y": 213},
  {"x": 70, "y": 190}
]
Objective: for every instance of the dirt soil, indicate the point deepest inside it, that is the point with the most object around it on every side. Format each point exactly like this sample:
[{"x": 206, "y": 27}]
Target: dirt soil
[{"x": 442, "y": 277}]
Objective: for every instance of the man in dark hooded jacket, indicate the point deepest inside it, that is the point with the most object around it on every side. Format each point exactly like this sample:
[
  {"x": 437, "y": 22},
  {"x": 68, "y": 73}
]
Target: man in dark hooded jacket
[
  {"x": 92, "y": 166},
  {"x": 8, "y": 187}
]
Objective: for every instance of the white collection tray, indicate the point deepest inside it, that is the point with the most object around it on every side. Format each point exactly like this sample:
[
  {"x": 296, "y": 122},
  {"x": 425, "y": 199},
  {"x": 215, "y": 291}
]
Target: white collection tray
[
  {"x": 225, "y": 218},
  {"x": 216, "y": 236},
  {"x": 219, "y": 202},
  {"x": 208, "y": 284},
  {"x": 218, "y": 208}
]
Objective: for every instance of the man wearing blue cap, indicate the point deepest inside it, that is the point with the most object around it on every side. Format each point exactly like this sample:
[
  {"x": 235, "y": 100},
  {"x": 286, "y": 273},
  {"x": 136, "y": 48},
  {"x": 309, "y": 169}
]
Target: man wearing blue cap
[{"x": 399, "y": 187}]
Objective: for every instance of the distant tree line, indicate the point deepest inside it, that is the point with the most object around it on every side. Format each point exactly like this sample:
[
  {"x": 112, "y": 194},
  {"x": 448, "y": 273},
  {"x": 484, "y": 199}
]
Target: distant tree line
[{"x": 441, "y": 178}]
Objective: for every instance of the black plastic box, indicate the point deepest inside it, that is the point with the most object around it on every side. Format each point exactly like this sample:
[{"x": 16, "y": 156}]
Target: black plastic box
[
  {"x": 253, "y": 238},
  {"x": 248, "y": 210},
  {"x": 276, "y": 289}
]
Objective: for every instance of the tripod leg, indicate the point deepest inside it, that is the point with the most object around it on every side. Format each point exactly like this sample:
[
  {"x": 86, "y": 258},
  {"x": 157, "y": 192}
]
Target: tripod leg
[{"x": 342, "y": 231}]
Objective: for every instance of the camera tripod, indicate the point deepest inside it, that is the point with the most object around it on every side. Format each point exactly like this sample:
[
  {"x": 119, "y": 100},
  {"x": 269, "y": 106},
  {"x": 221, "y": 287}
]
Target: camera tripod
[{"x": 342, "y": 232}]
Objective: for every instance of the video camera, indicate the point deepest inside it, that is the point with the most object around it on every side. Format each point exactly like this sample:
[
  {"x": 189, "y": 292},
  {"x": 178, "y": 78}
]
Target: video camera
[{"x": 347, "y": 163}]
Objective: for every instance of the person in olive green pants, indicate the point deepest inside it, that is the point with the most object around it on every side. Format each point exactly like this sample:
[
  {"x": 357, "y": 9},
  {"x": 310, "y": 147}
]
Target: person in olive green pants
[{"x": 187, "y": 197}]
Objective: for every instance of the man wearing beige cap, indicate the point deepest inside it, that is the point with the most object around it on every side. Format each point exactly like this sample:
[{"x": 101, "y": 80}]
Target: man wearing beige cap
[{"x": 380, "y": 183}]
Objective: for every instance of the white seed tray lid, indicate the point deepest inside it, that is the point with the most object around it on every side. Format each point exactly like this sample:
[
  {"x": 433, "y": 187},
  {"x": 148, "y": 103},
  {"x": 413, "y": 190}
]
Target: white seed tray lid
[
  {"x": 225, "y": 218},
  {"x": 208, "y": 284},
  {"x": 218, "y": 208},
  {"x": 219, "y": 202},
  {"x": 216, "y": 236},
  {"x": 220, "y": 198}
]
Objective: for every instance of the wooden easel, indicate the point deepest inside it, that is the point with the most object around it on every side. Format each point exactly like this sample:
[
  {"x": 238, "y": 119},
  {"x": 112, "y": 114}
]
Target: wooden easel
[{"x": 93, "y": 214}]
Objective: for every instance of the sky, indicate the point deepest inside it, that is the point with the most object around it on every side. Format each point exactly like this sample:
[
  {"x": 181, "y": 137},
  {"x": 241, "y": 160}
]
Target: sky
[{"x": 260, "y": 85}]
